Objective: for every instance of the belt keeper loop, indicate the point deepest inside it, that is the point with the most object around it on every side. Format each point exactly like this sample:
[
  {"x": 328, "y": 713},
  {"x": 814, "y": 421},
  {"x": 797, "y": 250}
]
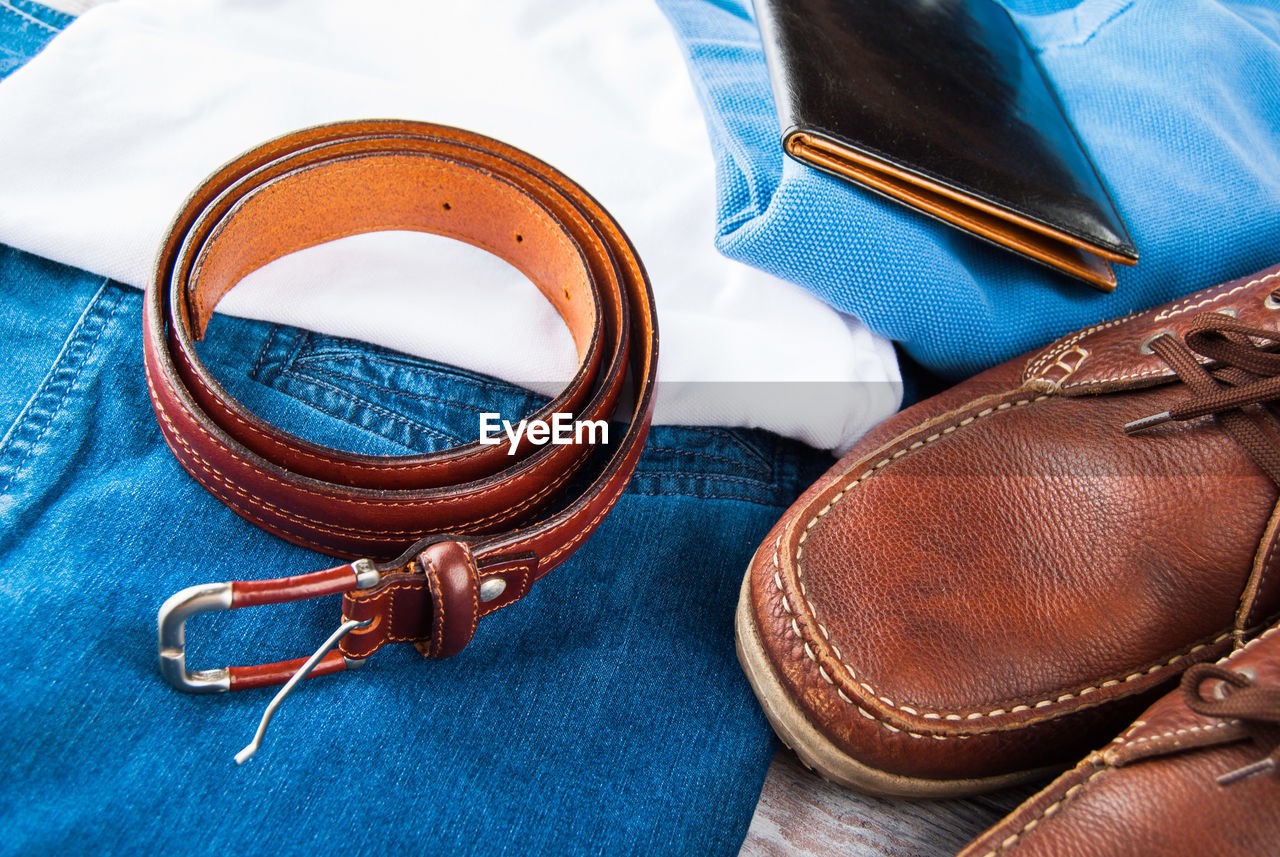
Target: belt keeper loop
[{"x": 454, "y": 583}]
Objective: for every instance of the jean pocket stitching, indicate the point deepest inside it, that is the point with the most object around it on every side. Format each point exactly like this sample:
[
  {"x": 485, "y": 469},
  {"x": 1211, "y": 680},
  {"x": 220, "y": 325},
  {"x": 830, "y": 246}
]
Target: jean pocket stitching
[
  {"x": 710, "y": 477},
  {"x": 56, "y": 386},
  {"x": 312, "y": 363},
  {"x": 744, "y": 497},
  {"x": 308, "y": 379},
  {"x": 339, "y": 351},
  {"x": 256, "y": 373},
  {"x": 25, "y": 18},
  {"x": 312, "y": 371},
  {"x": 737, "y": 440},
  {"x": 49, "y": 15},
  {"x": 699, "y": 455}
]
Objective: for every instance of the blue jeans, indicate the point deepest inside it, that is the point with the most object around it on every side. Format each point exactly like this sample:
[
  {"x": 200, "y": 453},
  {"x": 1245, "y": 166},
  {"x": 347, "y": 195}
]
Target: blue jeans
[
  {"x": 25, "y": 28},
  {"x": 605, "y": 713}
]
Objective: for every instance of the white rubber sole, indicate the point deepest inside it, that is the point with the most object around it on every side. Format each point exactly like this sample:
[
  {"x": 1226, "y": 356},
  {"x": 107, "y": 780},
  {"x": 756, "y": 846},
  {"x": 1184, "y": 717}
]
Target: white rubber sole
[{"x": 818, "y": 753}]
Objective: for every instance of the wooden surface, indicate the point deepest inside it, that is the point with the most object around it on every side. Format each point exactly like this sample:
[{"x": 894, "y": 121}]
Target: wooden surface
[{"x": 802, "y": 815}]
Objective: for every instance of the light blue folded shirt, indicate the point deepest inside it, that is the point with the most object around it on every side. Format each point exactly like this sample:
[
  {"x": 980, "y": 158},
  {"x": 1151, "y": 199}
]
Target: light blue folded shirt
[{"x": 1176, "y": 101}]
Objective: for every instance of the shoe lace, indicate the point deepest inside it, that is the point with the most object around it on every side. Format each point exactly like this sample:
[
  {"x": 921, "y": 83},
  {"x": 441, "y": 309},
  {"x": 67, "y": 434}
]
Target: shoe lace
[
  {"x": 1247, "y": 372},
  {"x": 1242, "y": 374},
  {"x": 1238, "y": 697}
]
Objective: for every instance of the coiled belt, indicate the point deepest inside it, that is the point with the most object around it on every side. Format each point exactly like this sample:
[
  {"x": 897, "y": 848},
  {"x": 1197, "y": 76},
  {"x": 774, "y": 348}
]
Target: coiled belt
[{"x": 437, "y": 541}]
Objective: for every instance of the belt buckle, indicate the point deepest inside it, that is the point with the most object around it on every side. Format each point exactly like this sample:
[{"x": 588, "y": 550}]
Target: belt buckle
[
  {"x": 233, "y": 595},
  {"x": 208, "y": 597}
]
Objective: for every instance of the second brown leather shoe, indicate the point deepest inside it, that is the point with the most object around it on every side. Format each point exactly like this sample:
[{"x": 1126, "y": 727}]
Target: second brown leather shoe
[
  {"x": 997, "y": 580},
  {"x": 1195, "y": 776}
]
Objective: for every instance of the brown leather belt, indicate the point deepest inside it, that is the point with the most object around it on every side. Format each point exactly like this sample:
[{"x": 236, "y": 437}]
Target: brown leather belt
[{"x": 438, "y": 540}]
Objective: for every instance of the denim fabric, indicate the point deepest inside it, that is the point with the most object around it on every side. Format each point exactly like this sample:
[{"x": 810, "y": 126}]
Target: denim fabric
[
  {"x": 603, "y": 714},
  {"x": 1176, "y": 101},
  {"x": 25, "y": 28}
]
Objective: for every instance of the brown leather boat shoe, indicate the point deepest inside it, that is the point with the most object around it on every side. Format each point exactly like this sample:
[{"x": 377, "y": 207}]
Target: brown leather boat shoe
[
  {"x": 996, "y": 581},
  {"x": 1184, "y": 781}
]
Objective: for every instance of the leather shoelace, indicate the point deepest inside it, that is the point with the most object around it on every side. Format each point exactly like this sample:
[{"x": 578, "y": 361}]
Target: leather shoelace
[
  {"x": 1257, "y": 707},
  {"x": 1243, "y": 374}
]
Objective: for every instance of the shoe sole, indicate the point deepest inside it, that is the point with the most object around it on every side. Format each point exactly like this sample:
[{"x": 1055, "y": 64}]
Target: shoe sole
[{"x": 818, "y": 753}]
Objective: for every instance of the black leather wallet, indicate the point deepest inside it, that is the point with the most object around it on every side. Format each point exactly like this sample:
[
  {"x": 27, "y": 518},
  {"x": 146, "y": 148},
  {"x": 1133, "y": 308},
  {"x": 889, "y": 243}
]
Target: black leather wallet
[{"x": 939, "y": 104}]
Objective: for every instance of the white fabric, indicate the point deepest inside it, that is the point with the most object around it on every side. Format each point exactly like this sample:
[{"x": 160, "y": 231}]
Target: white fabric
[{"x": 104, "y": 133}]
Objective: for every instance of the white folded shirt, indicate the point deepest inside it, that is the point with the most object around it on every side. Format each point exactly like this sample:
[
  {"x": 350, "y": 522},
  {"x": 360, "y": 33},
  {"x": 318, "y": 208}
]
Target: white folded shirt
[{"x": 104, "y": 133}]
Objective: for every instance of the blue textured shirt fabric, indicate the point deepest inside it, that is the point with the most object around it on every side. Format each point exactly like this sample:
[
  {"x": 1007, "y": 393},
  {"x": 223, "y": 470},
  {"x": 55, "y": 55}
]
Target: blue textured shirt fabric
[{"x": 1176, "y": 101}]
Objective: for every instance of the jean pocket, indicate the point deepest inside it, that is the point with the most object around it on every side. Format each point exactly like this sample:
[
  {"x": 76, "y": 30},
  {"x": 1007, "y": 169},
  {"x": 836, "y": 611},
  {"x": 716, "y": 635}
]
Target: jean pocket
[
  {"x": 362, "y": 398},
  {"x": 415, "y": 404}
]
